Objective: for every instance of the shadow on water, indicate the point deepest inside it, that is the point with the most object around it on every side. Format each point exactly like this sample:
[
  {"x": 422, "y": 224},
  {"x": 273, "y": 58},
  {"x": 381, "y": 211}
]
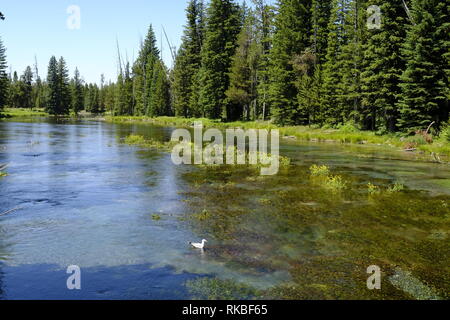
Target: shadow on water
[{"x": 133, "y": 282}]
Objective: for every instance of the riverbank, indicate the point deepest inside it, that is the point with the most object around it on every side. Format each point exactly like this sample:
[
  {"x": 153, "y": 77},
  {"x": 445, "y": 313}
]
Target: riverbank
[
  {"x": 345, "y": 134},
  {"x": 22, "y": 112},
  {"x": 438, "y": 150}
]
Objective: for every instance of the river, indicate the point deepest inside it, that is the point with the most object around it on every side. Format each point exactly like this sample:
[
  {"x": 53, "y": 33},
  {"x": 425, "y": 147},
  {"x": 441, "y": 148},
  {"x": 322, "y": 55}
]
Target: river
[{"x": 125, "y": 215}]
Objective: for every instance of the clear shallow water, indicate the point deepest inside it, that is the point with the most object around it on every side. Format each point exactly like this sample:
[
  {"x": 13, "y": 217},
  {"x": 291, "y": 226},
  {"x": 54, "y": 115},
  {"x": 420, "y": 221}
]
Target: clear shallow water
[{"x": 83, "y": 198}]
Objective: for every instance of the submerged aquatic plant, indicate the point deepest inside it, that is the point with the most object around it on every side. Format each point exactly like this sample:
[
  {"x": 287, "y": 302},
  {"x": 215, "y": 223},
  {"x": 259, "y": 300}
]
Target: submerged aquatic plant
[
  {"x": 373, "y": 189},
  {"x": 319, "y": 170},
  {"x": 134, "y": 139},
  {"x": 335, "y": 183},
  {"x": 321, "y": 175},
  {"x": 203, "y": 216},
  {"x": 137, "y": 140},
  {"x": 397, "y": 187},
  {"x": 218, "y": 289},
  {"x": 156, "y": 217}
]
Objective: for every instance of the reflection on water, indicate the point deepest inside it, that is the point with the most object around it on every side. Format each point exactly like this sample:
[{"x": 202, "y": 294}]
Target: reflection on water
[{"x": 83, "y": 198}]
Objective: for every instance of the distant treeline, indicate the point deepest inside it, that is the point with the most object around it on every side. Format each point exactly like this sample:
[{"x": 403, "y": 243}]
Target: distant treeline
[{"x": 299, "y": 62}]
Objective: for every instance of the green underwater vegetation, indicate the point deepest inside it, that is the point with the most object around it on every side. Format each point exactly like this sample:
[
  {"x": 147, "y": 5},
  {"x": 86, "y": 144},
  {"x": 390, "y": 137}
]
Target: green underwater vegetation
[{"x": 323, "y": 239}]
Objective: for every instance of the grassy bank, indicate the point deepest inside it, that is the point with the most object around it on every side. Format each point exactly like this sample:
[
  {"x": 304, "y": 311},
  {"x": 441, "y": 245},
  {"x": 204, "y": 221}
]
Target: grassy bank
[
  {"x": 21, "y": 112},
  {"x": 344, "y": 134}
]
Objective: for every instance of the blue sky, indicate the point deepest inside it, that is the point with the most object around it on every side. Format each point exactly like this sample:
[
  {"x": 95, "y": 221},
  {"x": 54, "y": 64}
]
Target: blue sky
[{"x": 40, "y": 28}]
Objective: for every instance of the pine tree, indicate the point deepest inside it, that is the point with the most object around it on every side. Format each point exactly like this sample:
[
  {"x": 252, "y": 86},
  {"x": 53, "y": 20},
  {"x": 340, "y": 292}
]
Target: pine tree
[
  {"x": 308, "y": 85},
  {"x": 77, "y": 93},
  {"x": 53, "y": 86},
  {"x": 119, "y": 96},
  {"x": 94, "y": 99},
  {"x": 188, "y": 60},
  {"x": 102, "y": 94},
  {"x": 160, "y": 92},
  {"x": 320, "y": 17},
  {"x": 110, "y": 90},
  {"x": 223, "y": 26},
  {"x": 14, "y": 91},
  {"x": 64, "y": 89},
  {"x": 26, "y": 89},
  {"x": 264, "y": 16},
  {"x": 335, "y": 107},
  {"x": 242, "y": 90},
  {"x": 59, "y": 97},
  {"x": 425, "y": 82},
  {"x": 129, "y": 100},
  {"x": 4, "y": 82},
  {"x": 383, "y": 67},
  {"x": 143, "y": 71},
  {"x": 39, "y": 100},
  {"x": 292, "y": 37}
]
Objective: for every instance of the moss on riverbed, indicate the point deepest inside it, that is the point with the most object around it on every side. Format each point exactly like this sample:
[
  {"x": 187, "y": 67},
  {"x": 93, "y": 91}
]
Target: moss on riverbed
[{"x": 324, "y": 240}]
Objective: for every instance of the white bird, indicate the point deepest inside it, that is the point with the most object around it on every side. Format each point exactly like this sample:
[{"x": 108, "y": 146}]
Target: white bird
[{"x": 199, "y": 245}]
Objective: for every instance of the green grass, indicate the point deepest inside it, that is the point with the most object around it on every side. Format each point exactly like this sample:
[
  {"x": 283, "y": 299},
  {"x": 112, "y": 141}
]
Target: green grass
[{"x": 21, "y": 112}]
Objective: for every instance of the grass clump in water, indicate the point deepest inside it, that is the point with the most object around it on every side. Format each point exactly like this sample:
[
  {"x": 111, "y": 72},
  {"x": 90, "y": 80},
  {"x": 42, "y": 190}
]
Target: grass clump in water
[
  {"x": 3, "y": 174},
  {"x": 140, "y": 141},
  {"x": 335, "y": 183},
  {"x": 373, "y": 189},
  {"x": 376, "y": 190},
  {"x": 134, "y": 139},
  {"x": 322, "y": 175},
  {"x": 156, "y": 217},
  {"x": 397, "y": 187},
  {"x": 319, "y": 170}
]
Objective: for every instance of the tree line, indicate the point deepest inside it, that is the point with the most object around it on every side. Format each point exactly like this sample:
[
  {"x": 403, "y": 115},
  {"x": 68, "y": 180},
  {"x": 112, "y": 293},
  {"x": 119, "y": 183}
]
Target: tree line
[{"x": 298, "y": 62}]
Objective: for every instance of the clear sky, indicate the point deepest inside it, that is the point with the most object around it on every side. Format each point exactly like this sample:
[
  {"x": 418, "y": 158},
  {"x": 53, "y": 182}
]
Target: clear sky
[{"x": 40, "y": 28}]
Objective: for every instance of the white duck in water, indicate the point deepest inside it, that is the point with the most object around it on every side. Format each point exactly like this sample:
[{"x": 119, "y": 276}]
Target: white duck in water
[{"x": 199, "y": 245}]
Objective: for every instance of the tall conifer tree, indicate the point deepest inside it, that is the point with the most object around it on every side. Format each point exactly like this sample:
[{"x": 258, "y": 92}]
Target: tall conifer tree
[
  {"x": 188, "y": 61},
  {"x": 425, "y": 82},
  {"x": 222, "y": 29},
  {"x": 4, "y": 82},
  {"x": 292, "y": 37}
]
